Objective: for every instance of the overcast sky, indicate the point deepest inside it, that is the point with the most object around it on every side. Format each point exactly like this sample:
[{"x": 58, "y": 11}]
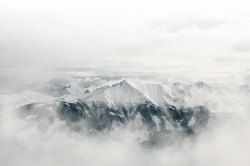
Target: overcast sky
[{"x": 134, "y": 35}]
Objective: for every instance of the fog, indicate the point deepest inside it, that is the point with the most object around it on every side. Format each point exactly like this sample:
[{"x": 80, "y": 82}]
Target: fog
[
  {"x": 151, "y": 36},
  {"x": 172, "y": 41},
  {"x": 33, "y": 141}
]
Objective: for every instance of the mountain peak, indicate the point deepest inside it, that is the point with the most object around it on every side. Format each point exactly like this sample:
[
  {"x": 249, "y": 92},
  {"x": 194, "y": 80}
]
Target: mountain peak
[
  {"x": 123, "y": 83},
  {"x": 119, "y": 93}
]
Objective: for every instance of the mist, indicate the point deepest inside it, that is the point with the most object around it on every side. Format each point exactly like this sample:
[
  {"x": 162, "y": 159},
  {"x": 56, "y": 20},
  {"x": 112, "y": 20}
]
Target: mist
[
  {"x": 140, "y": 36},
  {"x": 63, "y": 50},
  {"x": 33, "y": 140}
]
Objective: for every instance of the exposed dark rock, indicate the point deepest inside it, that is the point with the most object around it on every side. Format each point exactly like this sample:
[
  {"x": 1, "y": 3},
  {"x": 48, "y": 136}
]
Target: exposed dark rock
[{"x": 99, "y": 116}]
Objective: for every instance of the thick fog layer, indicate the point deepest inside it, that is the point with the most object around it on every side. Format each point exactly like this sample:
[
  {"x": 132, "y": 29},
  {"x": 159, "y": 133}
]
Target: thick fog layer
[
  {"x": 151, "y": 36},
  {"x": 183, "y": 55},
  {"x": 33, "y": 141}
]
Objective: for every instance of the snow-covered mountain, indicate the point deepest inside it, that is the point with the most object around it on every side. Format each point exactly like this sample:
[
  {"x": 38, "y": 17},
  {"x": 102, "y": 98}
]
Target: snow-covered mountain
[
  {"x": 99, "y": 104},
  {"x": 121, "y": 93}
]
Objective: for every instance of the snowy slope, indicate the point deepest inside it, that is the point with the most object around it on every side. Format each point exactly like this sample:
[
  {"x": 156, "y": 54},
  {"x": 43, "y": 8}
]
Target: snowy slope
[
  {"x": 115, "y": 91},
  {"x": 120, "y": 93},
  {"x": 126, "y": 91},
  {"x": 155, "y": 92}
]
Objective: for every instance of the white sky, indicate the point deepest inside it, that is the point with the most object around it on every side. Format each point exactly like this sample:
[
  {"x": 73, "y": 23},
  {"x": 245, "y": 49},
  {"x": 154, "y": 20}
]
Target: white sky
[{"x": 135, "y": 35}]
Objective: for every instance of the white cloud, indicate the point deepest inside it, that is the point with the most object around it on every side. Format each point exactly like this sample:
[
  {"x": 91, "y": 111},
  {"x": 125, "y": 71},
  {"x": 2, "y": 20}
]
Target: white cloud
[
  {"x": 98, "y": 33},
  {"x": 190, "y": 40}
]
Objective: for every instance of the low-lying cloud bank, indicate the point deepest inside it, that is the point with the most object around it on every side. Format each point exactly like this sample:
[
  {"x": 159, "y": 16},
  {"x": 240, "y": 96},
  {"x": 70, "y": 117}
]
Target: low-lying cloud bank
[{"x": 28, "y": 141}]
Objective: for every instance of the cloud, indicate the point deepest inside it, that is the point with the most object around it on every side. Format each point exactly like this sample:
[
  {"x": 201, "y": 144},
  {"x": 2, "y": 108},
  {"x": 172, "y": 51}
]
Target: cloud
[
  {"x": 174, "y": 26},
  {"x": 188, "y": 40},
  {"x": 30, "y": 140},
  {"x": 131, "y": 34},
  {"x": 241, "y": 48}
]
